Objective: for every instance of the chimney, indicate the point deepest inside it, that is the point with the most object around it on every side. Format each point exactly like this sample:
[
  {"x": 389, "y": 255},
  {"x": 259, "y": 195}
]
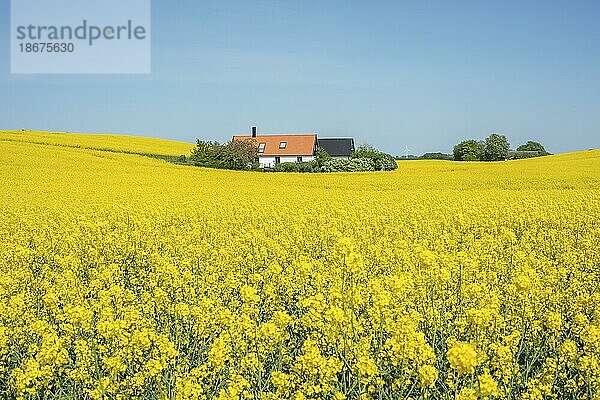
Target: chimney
[{"x": 253, "y": 131}]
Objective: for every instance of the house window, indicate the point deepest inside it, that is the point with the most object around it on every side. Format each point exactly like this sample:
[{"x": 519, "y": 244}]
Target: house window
[
  {"x": 261, "y": 147},
  {"x": 299, "y": 159},
  {"x": 277, "y": 160},
  {"x": 282, "y": 145}
]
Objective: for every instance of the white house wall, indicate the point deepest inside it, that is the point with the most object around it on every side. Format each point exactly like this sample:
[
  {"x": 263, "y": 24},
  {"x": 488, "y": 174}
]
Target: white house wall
[{"x": 269, "y": 161}]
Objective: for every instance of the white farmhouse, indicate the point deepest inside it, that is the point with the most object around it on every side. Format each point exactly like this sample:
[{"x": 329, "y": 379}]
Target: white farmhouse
[{"x": 275, "y": 149}]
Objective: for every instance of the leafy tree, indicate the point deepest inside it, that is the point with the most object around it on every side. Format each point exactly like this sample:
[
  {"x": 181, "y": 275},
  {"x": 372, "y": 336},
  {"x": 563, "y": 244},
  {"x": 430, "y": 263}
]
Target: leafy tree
[
  {"x": 237, "y": 154},
  {"x": 240, "y": 154},
  {"x": 495, "y": 148},
  {"x": 207, "y": 154},
  {"x": 468, "y": 150},
  {"x": 533, "y": 146},
  {"x": 321, "y": 156},
  {"x": 363, "y": 150}
]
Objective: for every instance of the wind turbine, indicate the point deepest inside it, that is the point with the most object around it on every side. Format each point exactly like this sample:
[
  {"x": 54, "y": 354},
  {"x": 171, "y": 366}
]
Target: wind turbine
[{"x": 406, "y": 151}]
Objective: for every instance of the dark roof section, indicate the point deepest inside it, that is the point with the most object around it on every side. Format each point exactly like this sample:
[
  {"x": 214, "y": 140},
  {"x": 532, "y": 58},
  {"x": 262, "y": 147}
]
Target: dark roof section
[{"x": 337, "y": 147}]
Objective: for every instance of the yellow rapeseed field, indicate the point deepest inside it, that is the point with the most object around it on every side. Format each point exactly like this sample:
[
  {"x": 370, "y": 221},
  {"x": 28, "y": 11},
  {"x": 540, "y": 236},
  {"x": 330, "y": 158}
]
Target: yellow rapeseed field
[
  {"x": 123, "y": 276},
  {"x": 117, "y": 143}
]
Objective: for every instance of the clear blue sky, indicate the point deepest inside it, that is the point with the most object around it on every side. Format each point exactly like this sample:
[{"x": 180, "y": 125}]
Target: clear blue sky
[{"x": 420, "y": 73}]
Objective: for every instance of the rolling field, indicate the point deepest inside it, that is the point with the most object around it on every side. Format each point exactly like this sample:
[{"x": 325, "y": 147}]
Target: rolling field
[
  {"x": 113, "y": 143},
  {"x": 123, "y": 276}
]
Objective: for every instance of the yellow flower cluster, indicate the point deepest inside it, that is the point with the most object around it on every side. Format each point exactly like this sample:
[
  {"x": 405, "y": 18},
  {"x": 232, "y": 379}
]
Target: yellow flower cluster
[
  {"x": 462, "y": 357},
  {"x": 128, "y": 277}
]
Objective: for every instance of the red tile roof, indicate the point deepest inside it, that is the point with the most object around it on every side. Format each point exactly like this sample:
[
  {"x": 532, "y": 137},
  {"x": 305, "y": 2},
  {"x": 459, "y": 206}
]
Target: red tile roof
[{"x": 295, "y": 145}]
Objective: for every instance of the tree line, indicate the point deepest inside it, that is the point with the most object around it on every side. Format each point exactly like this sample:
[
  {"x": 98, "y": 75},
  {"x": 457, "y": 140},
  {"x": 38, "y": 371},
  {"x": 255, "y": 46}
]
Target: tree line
[{"x": 494, "y": 148}]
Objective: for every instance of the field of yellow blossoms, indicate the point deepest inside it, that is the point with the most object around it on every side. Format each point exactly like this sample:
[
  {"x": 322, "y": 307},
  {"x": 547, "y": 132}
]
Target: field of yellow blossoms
[{"x": 123, "y": 276}]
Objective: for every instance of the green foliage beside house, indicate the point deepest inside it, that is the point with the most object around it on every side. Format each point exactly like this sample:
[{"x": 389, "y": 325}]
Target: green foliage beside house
[
  {"x": 242, "y": 155},
  {"x": 236, "y": 155}
]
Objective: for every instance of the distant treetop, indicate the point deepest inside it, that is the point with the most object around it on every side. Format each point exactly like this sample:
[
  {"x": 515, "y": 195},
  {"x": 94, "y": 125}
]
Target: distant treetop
[{"x": 533, "y": 146}]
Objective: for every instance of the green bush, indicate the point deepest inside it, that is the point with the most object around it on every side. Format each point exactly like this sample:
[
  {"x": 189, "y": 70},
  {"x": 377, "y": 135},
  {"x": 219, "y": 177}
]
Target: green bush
[
  {"x": 238, "y": 154},
  {"x": 381, "y": 161},
  {"x": 348, "y": 165},
  {"x": 309, "y": 166},
  {"x": 286, "y": 167}
]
